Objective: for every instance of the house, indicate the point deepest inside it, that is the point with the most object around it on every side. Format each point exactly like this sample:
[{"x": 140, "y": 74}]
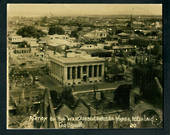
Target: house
[
  {"x": 11, "y": 32},
  {"x": 32, "y": 42},
  {"x": 22, "y": 51},
  {"x": 56, "y": 40},
  {"x": 90, "y": 46},
  {"x": 96, "y": 34},
  {"x": 138, "y": 24},
  {"x": 125, "y": 48},
  {"x": 14, "y": 39},
  {"x": 124, "y": 37}
]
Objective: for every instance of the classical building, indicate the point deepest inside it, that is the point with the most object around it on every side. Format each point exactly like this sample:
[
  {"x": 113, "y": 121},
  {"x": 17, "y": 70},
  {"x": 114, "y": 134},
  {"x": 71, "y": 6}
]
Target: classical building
[{"x": 76, "y": 70}]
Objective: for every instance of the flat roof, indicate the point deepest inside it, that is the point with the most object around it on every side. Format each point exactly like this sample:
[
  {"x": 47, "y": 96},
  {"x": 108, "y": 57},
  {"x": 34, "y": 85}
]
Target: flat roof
[
  {"x": 123, "y": 47},
  {"x": 70, "y": 60}
]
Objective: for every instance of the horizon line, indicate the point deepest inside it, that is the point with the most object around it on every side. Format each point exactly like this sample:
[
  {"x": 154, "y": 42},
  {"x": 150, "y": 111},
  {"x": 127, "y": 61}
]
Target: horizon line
[{"x": 84, "y": 15}]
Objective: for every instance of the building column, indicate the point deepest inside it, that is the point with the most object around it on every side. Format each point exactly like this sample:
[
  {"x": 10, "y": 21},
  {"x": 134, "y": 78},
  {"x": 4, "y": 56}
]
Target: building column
[
  {"x": 102, "y": 71},
  {"x": 92, "y": 71},
  {"x": 65, "y": 74}
]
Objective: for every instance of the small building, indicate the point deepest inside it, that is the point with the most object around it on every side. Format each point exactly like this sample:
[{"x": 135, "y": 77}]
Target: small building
[
  {"x": 124, "y": 37},
  {"x": 124, "y": 48},
  {"x": 90, "y": 46},
  {"x": 32, "y": 42},
  {"x": 15, "y": 39},
  {"x": 138, "y": 24},
  {"x": 76, "y": 70},
  {"x": 22, "y": 51},
  {"x": 96, "y": 34},
  {"x": 53, "y": 38},
  {"x": 114, "y": 42},
  {"x": 11, "y": 32},
  {"x": 57, "y": 40}
]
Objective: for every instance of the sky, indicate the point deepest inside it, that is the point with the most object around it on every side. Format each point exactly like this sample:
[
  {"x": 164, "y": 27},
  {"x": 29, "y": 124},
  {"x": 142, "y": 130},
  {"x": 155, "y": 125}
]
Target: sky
[{"x": 83, "y": 9}]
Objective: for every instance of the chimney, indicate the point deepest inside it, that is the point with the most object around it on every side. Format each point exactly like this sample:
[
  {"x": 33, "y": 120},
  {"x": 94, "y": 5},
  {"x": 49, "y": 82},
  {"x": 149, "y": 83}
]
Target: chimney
[{"x": 65, "y": 52}]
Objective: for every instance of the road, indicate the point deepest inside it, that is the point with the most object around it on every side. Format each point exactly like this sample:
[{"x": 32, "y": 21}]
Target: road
[
  {"x": 88, "y": 91},
  {"x": 52, "y": 84}
]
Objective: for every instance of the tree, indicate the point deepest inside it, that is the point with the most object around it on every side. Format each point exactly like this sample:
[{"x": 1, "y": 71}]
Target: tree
[
  {"x": 153, "y": 33},
  {"x": 56, "y": 98},
  {"x": 79, "y": 28},
  {"x": 122, "y": 95},
  {"x": 74, "y": 34},
  {"x": 115, "y": 69},
  {"x": 68, "y": 97},
  {"x": 157, "y": 50},
  {"x": 143, "y": 77},
  {"x": 30, "y": 31},
  {"x": 55, "y": 30}
]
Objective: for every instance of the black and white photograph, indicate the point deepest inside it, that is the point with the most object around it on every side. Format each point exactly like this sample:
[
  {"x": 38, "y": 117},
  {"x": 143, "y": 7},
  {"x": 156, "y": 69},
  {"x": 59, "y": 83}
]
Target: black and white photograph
[{"x": 84, "y": 66}]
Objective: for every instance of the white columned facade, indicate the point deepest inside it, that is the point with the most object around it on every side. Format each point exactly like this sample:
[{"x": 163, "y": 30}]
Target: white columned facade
[{"x": 64, "y": 71}]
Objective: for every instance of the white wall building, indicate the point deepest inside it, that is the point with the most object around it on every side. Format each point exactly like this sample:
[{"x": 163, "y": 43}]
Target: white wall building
[
  {"x": 15, "y": 39},
  {"x": 96, "y": 34},
  {"x": 76, "y": 70}
]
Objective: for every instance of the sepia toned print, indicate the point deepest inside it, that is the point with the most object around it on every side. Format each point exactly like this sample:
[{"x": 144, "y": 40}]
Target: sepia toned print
[{"x": 90, "y": 66}]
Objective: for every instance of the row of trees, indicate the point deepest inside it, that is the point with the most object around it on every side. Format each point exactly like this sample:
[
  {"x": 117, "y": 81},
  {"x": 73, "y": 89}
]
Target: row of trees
[
  {"x": 31, "y": 31},
  {"x": 65, "y": 97}
]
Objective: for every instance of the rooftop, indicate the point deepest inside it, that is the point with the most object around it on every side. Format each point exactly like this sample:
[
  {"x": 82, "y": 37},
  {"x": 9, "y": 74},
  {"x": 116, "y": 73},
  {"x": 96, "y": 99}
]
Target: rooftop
[
  {"x": 80, "y": 59},
  {"x": 123, "y": 47}
]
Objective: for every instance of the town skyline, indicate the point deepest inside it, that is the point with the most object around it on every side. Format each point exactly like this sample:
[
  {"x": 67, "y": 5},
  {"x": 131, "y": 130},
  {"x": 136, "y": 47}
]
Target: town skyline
[
  {"x": 84, "y": 72},
  {"x": 36, "y": 10}
]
